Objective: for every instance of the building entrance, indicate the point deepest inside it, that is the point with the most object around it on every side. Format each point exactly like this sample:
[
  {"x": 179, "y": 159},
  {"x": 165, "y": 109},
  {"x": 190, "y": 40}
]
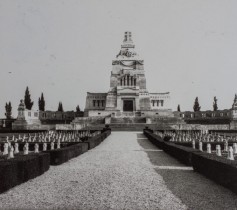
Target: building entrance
[{"x": 128, "y": 105}]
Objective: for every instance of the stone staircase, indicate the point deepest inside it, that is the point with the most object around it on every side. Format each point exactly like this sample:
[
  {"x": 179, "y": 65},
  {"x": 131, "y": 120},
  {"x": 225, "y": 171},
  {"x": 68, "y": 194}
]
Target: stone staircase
[{"x": 127, "y": 120}]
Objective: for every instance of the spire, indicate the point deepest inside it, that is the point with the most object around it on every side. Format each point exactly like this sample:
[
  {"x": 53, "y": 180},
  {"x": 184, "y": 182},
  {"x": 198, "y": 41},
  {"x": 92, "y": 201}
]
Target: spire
[{"x": 127, "y": 42}]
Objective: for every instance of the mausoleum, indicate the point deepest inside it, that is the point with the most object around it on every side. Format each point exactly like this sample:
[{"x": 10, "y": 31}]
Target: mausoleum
[{"x": 128, "y": 95}]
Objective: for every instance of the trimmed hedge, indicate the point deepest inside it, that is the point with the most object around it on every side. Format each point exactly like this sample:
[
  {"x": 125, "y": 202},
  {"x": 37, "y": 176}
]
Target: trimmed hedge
[
  {"x": 219, "y": 169},
  {"x": 59, "y": 156},
  {"x": 156, "y": 140},
  {"x": 95, "y": 141},
  {"x": 182, "y": 153},
  {"x": 21, "y": 169}
]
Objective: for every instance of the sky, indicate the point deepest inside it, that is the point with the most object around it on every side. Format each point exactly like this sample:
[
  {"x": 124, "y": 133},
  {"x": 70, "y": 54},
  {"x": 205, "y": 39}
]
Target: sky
[{"x": 65, "y": 48}]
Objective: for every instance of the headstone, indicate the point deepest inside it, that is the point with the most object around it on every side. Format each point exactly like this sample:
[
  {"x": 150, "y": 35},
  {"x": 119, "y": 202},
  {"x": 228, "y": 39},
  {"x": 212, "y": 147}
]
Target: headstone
[
  {"x": 235, "y": 148},
  {"x": 44, "y": 146},
  {"x": 58, "y": 145},
  {"x": 16, "y": 148},
  {"x": 52, "y": 145},
  {"x": 226, "y": 146},
  {"x": 208, "y": 148},
  {"x": 36, "y": 148},
  {"x": 194, "y": 144},
  {"x": 200, "y": 146},
  {"x": 26, "y": 149},
  {"x": 218, "y": 150},
  {"x": 5, "y": 150},
  {"x": 10, "y": 152},
  {"x": 230, "y": 154}
]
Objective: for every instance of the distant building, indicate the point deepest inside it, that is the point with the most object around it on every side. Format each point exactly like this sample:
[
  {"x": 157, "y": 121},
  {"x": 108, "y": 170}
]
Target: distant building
[{"x": 128, "y": 95}]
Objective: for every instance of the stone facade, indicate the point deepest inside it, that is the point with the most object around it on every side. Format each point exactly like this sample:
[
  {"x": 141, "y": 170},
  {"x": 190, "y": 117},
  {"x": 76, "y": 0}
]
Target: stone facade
[
  {"x": 26, "y": 119},
  {"x": 128, "y": 95}
]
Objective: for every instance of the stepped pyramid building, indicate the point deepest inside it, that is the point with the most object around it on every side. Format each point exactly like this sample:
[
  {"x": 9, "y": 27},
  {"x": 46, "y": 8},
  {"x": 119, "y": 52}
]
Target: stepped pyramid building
[{"x": 128, "y": 95}]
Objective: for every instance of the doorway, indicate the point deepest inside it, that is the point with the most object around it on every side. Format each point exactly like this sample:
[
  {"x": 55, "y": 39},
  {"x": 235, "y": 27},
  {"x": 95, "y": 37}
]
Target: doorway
[{"x": 128, "y": 105}]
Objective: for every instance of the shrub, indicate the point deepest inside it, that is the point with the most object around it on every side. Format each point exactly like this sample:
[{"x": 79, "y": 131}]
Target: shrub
[
  {"x": 22, "y": 168},
  {"x": 219, "y": 169},
  {"x": 62, "y": 155}
]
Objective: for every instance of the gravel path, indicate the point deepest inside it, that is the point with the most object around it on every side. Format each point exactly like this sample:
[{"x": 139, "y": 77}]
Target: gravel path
[
  {"x": 194, "y": 190},
  {"x": 115, "y": 175}
]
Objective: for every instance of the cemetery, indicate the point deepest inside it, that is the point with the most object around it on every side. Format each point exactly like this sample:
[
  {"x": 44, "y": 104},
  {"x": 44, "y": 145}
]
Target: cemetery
[{"x": 79, "y": 140}]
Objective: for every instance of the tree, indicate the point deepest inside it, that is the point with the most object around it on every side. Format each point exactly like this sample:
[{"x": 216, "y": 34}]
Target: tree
[
  {"x": 60, "y": 107},
  {"x": 8, "y": 109},
  {"x": 41, "y": 103},
  {"x": 28, "y": 102},
  {"x": 215, "y": 107},
  {"x": 78, "y": 108},
  {"x": 196, "y": 106},
  {"x": 178, "y": 108}
]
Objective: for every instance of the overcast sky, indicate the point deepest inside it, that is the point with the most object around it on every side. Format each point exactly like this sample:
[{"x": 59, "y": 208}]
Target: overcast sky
[{"x": 65, "y": 48}]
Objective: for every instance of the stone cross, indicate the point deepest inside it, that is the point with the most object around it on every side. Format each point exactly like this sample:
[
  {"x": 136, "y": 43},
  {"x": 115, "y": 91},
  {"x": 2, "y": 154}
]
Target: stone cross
[{"x": 208, "y": 148}]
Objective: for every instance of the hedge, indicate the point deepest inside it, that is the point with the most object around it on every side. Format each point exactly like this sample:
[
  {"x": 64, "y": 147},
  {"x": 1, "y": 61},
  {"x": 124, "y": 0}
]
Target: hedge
[
  {"x": 22, "y": 168},
  {"x": 219, "y": 169},
  {"x": 59, "y": 156},
  {"x": 182, "y": 153},
  {"x": 156, "y": 140},
  {"x": 62, "y": 155}
]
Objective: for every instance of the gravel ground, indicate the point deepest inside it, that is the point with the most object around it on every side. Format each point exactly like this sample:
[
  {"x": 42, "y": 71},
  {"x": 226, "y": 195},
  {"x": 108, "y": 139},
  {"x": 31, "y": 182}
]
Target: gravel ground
[
  {"x": 115, "y": 175},
  {"x": 194, "y": 190}
]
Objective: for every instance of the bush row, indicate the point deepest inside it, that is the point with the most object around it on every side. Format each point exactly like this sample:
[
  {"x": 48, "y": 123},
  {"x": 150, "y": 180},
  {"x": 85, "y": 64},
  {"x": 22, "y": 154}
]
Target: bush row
[
  {"x": 62, "y": 155},
  {"x": 21, "y": 169},
  {"x": 59, "y": 156},
  {"x": 182, "y": 153},
  {"x": 219, "y": 169},
  {"x": 24, "y": 167}
]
